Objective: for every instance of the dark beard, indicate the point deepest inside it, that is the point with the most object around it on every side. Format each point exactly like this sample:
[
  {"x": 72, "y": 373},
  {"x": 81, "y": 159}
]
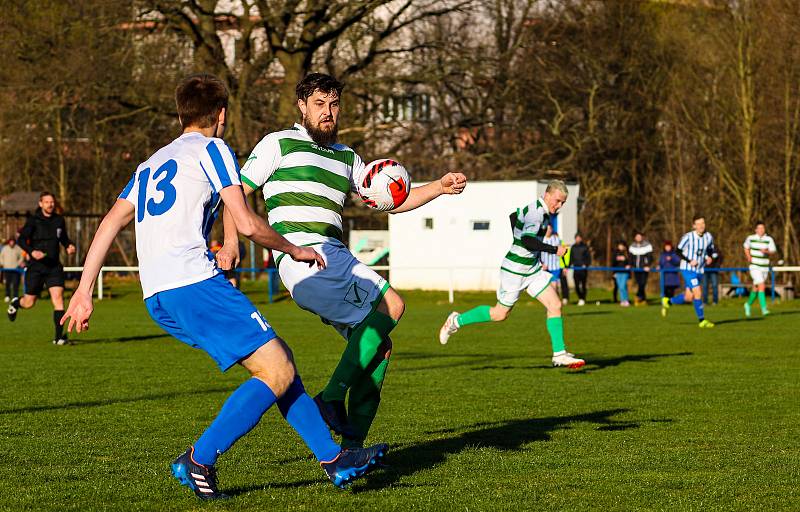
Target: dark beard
[{"x": 322, "y": 137}]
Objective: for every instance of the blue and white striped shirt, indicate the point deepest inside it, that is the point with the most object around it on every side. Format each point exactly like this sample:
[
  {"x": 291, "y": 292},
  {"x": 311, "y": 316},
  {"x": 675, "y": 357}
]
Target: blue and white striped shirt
[
  {"x": 695, "y": 247},
  {"x": 551, "y": 261}
]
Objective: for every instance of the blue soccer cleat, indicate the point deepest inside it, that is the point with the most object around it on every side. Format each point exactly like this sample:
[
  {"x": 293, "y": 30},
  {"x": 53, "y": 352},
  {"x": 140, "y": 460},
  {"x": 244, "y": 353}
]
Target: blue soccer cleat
[
  {"x": 201, "y": 479},
  {"x": 353, "y": 463}
]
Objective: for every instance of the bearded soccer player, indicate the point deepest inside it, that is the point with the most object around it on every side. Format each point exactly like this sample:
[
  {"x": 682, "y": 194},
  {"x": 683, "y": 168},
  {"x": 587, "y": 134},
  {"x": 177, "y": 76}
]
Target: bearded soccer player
[
  {"x": 696, "y": 250},
  {"x": 757, "y": 248},
  {"x": 40, "y": 238},
  {"x": 173, "y": 197},
  {"x": 306, "y": 175},
  {"x": 521, "y": 270}
]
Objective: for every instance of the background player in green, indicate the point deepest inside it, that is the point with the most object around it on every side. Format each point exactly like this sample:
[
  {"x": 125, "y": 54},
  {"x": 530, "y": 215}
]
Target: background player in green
[
  {"x": 306, "y": 176},
  {"x": 757, "y": 248},
  {"x": 522, "y": 270}
]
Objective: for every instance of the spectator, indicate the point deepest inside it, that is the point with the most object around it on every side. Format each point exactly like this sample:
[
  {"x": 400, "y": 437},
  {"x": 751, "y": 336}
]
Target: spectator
[
  {"x": 11, "y": 258},
  {"x": 641, "y": 258},
  {"x": 552, "y": 263},
  {"x": 581, "y": 259},
  {"x": 621, "y": 260},
  {"x": 711, "y": 277},
  {"x": 669, "y": 260}
]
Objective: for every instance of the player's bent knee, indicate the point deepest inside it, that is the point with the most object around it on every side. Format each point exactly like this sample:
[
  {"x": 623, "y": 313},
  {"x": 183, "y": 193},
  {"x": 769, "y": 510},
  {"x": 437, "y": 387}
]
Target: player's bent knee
[
  {"x": 273, "y": 364},
  {"x": 498, "y": 314}
]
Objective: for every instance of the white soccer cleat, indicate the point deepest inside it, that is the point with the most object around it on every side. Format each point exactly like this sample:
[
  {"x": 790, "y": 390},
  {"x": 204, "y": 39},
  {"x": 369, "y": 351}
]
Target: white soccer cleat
[
  {"x": 568, "y": 360},
  {"x": 449, "y": 328},
  {"x": 581, "y": 302}
]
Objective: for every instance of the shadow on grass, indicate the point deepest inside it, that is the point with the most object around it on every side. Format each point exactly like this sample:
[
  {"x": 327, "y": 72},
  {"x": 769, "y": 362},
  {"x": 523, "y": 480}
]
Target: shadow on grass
[
  {"x": 737, "y": 320},
  {"x": 510, "y": 435},
  {"x": 114, "y": 401},
  {"x": 592, "y": 364},
  {"x": 459, "y": 360},
  {"x": 122, "y": 339}
]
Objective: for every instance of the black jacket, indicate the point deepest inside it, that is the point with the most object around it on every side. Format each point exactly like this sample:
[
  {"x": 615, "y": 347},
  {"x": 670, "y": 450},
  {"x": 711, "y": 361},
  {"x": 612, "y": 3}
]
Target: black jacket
[
  {"x": 581, "y": 256},
  {"x": 42, "y": 233}
]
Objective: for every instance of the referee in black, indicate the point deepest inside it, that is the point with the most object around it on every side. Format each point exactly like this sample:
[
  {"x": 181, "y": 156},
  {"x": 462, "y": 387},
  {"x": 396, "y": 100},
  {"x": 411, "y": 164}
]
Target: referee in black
[{"x": 40, "y": 236}]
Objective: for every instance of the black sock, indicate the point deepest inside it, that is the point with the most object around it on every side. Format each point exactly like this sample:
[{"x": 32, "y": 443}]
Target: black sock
[{"x": 57, "y": 316}]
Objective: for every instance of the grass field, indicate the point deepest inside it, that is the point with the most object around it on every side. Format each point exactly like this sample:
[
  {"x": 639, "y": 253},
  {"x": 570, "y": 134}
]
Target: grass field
[{"x": 665, "y": 416}]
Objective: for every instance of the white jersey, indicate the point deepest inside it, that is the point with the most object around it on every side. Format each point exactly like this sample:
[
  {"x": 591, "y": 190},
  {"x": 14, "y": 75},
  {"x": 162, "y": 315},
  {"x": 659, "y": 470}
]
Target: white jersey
[
  {"x": 695, "y": 247},
  {"x": 176, "y": 197},
  {"x": 760, "y": 248},
  {"x": 304, "y": 184}
]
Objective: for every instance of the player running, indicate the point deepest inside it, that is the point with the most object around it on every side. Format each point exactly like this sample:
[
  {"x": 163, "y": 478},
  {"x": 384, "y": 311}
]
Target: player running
[
  {"x": 522, "y": 270},
  {"x": 306, "y": 176},
  {"x": 174, "y": 196},
  {"x": 757, "y": 248},
  {"x": 696, "y": 250},
  {"x": 40, "y": 238}
]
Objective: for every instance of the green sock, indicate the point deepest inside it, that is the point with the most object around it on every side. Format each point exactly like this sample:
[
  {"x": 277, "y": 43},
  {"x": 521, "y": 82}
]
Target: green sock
[
  {"x": 752, "y": 298},
  {"x": 762, "y": 300},
  {"x": 555, "y": 326},
  {"x": 361, "y": 349},
  {"x": 365, "y": 397},
  {"x": 475, "y": 315}
]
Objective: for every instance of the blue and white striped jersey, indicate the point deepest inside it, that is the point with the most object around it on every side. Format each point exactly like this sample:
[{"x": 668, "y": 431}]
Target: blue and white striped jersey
[
  {"x": 176, "y": 197},
  {"x": 552, "y": 261},
  {"x": 695, "y": 247}
]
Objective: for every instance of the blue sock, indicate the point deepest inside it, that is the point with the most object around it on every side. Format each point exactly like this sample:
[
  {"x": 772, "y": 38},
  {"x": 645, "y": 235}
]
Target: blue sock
[
  {"x": 698, "y": 309},
  {"x": 678, "y": 299},
  {"x": 240, "y": 413},
  {"x": 302, "y": 414}
]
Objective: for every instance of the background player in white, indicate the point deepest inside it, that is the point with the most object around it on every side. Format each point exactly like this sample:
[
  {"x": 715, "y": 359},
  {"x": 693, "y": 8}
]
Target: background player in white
[
  {"x": 757, "y": 248},
  {"x": 174, "y": 196},
  {"x": 306, "y": 176},
  {"x": 521, "y": 270},
  {"x": 696, "y": 250}
]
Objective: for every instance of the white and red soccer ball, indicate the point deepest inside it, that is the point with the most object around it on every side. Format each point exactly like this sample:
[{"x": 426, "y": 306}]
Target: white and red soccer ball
[{"x": 385, "y": 185}]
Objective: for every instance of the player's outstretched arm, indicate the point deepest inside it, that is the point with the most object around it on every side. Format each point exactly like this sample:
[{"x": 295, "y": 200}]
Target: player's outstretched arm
[
  {"x": 228, "y": 256},
  {"x": 256, "y": 229},
  {"x": 450, "y": 183},
  {"x": 80, "y": 305}
]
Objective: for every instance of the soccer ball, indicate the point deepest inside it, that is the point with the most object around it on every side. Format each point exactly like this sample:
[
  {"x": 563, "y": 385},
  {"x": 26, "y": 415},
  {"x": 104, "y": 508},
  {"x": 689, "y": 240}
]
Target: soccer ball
[{"x": 385, "y": 186}]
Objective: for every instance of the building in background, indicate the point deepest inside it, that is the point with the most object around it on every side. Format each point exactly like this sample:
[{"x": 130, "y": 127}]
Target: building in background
[{"x": 464, "y": 237}]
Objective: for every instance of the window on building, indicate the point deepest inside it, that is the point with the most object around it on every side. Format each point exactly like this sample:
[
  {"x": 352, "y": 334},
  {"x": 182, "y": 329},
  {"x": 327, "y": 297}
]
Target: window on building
[
  {"x": 427, "y": 223},
  {"x": 412, "y": 107},
  {"x": 480, "y": 225}
]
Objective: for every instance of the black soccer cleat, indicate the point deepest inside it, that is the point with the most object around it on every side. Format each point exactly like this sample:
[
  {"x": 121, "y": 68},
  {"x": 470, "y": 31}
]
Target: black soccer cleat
[
  {"x": 201, "y": 479},
  {"x": 13, "y": 307},
  {"x": 335, "y": 415},
  {"x": 353, "y": 463}
]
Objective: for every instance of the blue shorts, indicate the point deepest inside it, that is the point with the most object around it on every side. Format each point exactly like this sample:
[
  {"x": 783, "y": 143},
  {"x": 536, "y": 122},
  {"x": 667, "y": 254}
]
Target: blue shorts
[
  {"x": 691, "y": 278},
  {"x": 556, "y": 273},
  {"x": 213, "y": 316}
]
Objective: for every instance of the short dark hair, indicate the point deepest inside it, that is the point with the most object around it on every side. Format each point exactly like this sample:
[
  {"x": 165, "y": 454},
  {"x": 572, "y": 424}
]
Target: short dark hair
[
  {"x": 199, "y": 99},
  {"x": 318, "y": 82},
  {"x": 759, "y": 223},
  {"x": 45, "y": 193},
  {"x": 697, "y": 216}
]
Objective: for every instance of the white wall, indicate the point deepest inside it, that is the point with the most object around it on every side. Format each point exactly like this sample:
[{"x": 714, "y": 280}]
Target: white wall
[{"x": 453, "y": 244}]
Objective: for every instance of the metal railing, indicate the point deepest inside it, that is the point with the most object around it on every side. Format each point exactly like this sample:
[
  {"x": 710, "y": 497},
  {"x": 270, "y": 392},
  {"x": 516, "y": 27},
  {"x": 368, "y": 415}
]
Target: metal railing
[{"x": 272, "y": 278}]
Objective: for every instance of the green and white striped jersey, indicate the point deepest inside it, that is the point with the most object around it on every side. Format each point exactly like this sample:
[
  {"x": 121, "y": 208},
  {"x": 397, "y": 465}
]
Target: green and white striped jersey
[
  {"x": 760, "y": 247},
  {"x": 531, "y": 221},
  {"x": 304, "y": 184}
]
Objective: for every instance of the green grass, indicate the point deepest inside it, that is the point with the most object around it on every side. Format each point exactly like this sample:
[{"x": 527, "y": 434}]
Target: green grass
[{"x": 665, "y": 417}]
